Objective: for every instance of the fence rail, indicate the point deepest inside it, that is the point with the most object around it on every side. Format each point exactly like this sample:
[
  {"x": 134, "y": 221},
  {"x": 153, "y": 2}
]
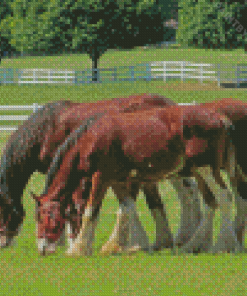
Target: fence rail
[
  {"x": 232, "y": 74},
  {"x": 183, "y": 67},
  {"x": 33, "y": 107},
  {"x": 147, "y": 72},
  {"x": 164, "y": 70}
]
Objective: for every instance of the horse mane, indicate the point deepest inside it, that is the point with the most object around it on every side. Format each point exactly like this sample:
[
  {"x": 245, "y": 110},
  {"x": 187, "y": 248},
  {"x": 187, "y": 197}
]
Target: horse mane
[
  {"x": 29, "y": 134},
  {"x": 32, "y": 131},
  {"x": 70, "y": 141}
]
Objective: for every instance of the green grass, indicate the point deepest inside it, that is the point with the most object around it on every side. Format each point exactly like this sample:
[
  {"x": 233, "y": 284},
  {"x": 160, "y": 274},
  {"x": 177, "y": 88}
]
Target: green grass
[
  {"x": 24, "y": 272},
  {"x": 128, "y": 58}
]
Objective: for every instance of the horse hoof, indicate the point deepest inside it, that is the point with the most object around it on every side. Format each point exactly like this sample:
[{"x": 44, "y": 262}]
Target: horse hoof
[
  {"x": 110, "y": 249},
  {"x": 133, "y": 249}
]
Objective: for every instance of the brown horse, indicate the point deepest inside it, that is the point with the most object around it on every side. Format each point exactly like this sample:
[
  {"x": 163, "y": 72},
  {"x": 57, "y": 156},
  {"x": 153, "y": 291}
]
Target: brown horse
[
  {"x": 19, "y": 160},
  {"x": 159, "y": 144},
  {"x": 236, "y": 110},
  {"x": 164, "y": 237},
  {"x": 22, "y": 154}
]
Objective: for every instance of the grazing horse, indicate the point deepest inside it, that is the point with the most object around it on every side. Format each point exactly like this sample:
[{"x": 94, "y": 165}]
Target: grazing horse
[
  {"x": 24, "y": 151},
  {"x": 19, "y": 160},
  {"x": 236, "y": 111},
  {"x": 162, "y": 142}
]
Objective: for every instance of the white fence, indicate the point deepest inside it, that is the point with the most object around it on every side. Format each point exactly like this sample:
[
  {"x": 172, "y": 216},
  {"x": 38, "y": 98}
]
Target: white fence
[
  {"x": 184, "y": 70},
  {"x": 33, "y": 107},
  {"x": 149, "y": 71},
  {"x": 166, "y": 69},
  {"x": 51, "y": 76}
]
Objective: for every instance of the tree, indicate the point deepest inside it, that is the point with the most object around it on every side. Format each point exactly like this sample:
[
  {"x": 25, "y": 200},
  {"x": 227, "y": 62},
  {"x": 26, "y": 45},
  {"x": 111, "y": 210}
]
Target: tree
[
  {"x": 5, "y": 11},
  {"x": 29, "y": 28},
  {"x": 119, "y": 24},
  {"x": 206, "y": 24},
  {"x": 90, "y": 26}
]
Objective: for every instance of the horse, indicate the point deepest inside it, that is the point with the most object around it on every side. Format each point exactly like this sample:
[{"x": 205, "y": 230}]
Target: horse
[
  {"x": 107, "y": 153},
  {"x": 236, "y": 111},
  {"x": 23, "y": 153},
  {"x": 19, "y": 160},
  {"x": 163, "y": 234}
]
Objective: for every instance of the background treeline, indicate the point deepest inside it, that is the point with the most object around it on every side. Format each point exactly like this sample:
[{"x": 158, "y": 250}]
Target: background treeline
[
  {"x": 57, "y": 26},
  {"x": 212, "y": 23},
  {"x": 93, "y": 26}
]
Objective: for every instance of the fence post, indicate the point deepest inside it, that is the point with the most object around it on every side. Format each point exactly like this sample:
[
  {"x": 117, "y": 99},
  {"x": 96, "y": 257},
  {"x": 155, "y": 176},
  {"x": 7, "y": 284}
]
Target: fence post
[
  {"x": 75, "y": 77},
  {"x": 201, "y": 72},
  {"x": 19, "y": 72},
  {"x": 238, "y": 76},
  {"x": 34, "y": 74},
  {"x": 35, "y": 106},
  {"x": 148, "y": 72},
  {"x": 182, "y": 71},
  {"x": 218, "y": 74},
  {"x": 66, "y": 76},
  {"x": 114, "y": 74},
  {"x": 132, "y": 73},
  {"x": 4, "y": 76},
  {"x": 164, "y": 71}
]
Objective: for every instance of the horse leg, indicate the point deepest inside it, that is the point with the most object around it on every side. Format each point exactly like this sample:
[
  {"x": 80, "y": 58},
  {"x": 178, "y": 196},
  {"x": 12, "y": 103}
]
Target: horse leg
[
  {"x": 83, "y": 244},
  {"x": 202, "y": 239},
  {"x": 190, "y": 209},
  {"x": 61, "y": 240},
  {"x": 241, "y": 219},
  {"x": 164, "y": 237},
  {"x": 227, "y": 239},
  {"x": 128, "y": 234},
  {"x": 240, "y": 222}
]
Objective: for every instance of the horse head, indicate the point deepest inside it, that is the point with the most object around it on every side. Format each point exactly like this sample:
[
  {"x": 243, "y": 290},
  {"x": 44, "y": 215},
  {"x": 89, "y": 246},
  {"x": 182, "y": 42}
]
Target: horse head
[
  {"x": 11, "y": 217},
  {"x": 50, "y": 217}
]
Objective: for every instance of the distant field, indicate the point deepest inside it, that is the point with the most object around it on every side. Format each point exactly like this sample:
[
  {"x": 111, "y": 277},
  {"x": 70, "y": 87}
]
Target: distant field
[
  {"x": 129, "y": 58},
  {"x": 24, "y": 272}
]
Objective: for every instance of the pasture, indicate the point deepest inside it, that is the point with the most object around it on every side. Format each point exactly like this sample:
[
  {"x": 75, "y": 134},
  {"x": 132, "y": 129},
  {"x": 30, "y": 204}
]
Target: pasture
[{"x": 24, "y": 272}]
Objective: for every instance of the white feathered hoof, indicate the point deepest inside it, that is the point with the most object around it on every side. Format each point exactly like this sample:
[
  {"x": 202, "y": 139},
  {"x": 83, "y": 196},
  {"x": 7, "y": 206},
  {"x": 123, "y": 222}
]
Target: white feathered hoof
[
  {"x": 227, "y": 240},
  {"x": 202, "y": 240}
]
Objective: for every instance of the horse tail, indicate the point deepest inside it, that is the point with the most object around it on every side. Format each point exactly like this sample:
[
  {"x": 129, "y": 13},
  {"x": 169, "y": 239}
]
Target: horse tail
[{"x": 70, "y": 141}]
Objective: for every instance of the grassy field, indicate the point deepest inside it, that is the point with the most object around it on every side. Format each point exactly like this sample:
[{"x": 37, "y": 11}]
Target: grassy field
[
  {"x": 128, "y": 58},
  {"x": 24, "y": 272}
]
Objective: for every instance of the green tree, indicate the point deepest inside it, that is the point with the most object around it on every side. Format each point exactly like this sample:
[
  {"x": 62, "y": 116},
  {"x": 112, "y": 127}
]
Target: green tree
[
  {"x": 119, "y": 24},
  {"x": 30, "y": 27},
  {"x": 203, "y": 23},
  {"x": 5, "y": 11}
]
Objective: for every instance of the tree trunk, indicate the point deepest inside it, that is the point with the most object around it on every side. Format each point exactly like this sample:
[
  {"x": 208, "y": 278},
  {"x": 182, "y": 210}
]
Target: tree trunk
[{"x": 94, "y": 68}]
